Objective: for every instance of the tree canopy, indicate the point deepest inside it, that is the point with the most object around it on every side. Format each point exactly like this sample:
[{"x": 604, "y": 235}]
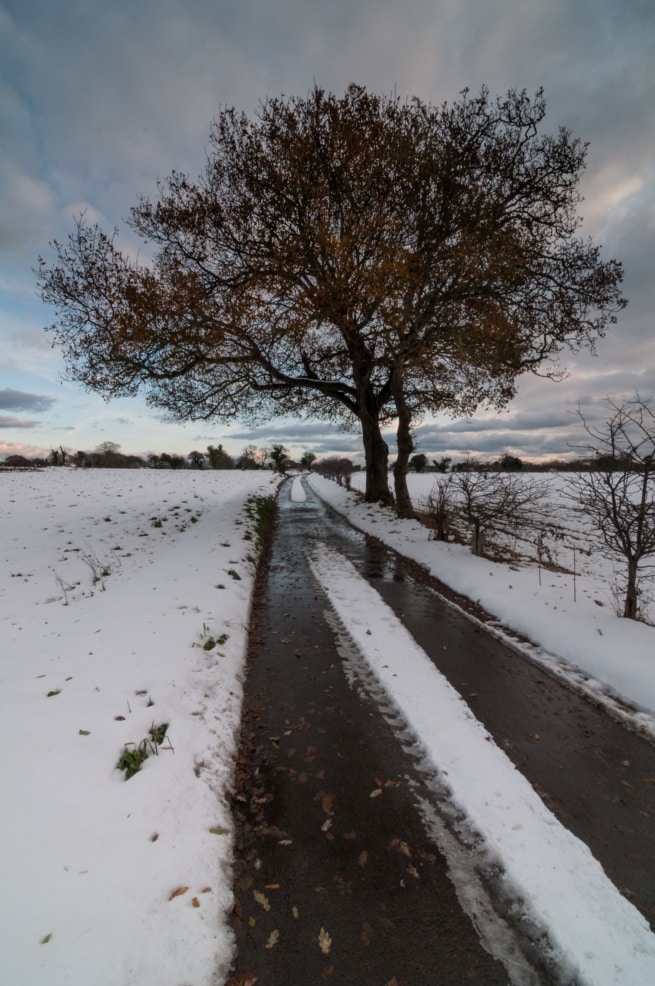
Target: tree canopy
[{"x": 363, "y": 258}]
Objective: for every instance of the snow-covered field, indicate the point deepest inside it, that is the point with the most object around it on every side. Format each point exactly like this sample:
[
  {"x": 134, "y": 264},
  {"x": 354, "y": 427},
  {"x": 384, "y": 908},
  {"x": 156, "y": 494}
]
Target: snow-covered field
[
  {"x": 104, "y": 881},
  {"x": 112, "y": 584}
]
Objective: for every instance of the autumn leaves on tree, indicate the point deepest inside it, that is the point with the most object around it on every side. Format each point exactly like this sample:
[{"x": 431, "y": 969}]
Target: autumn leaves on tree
[{"x": 363, "y": 259}]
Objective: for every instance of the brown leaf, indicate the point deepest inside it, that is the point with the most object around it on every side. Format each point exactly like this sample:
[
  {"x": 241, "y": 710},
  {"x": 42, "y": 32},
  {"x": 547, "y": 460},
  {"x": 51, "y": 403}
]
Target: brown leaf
[
  {"x": 219, "y": 830},
  {"x": 324, "y": 941},
  {"x": 195, "y": 902},
  {"x": 327, "y": 803},
  {"x": 273, "y": 939},
  {"x": 178, "y": 892},
  {"x": 376, "y": 793},
  {"x": 363, "y": 857},
  {"x": 262, "y": 900}
]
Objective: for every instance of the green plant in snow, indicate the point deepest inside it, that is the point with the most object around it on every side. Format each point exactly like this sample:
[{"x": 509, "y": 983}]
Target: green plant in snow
[{"x": 134, "y": 754}]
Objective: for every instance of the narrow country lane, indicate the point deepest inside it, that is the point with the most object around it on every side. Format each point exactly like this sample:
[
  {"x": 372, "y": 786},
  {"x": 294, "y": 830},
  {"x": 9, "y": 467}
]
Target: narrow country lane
[{"x": 337, "y": 877}]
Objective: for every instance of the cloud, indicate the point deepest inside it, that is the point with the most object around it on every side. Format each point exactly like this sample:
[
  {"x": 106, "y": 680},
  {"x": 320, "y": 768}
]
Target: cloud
[
  {"x": 17, "y": 423},
  {"x": 20, "y": 448},
  {"x": 18, "y": 400}
]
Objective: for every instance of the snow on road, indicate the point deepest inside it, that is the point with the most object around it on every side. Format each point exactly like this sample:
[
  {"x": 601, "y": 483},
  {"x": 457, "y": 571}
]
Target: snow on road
[{"x": 597, "y": 936}]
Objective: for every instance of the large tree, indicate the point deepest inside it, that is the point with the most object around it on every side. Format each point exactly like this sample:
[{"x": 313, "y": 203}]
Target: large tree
[{"x": 361, "y": 257}]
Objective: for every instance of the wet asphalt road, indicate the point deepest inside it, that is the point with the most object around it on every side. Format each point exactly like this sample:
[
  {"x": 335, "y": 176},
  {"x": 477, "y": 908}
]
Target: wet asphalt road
[{"x": 337, "y": 876}]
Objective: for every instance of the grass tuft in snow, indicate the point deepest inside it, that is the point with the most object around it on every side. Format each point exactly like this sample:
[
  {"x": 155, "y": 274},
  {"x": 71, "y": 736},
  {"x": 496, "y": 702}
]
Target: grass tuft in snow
[{"x": 134, "y": 755}]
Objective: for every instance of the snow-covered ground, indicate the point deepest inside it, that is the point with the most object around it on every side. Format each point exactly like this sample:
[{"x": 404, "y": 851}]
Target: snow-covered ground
[
  {"x": 127, "y": 883},
  {"x": 107, "y": 881}
]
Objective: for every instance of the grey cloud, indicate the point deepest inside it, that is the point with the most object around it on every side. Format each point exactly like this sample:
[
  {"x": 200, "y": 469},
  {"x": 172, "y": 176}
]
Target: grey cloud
[
  {"x": 291, "y": 431},
  {"x": 17, "y": 400},
  {"x": 17, "y": 423}
]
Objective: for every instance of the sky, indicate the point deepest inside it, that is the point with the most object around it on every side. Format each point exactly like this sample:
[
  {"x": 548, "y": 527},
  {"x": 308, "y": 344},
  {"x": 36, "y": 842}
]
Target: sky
[{"x": 98, "y": 100}]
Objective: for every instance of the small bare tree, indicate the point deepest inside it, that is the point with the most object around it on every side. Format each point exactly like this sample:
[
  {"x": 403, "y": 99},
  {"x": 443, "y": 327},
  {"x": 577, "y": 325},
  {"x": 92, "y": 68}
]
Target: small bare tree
[
  {"x": 438, "y": 507},
  {"x": 619, "y": 491},
  {"x": 492, "y": 499}
]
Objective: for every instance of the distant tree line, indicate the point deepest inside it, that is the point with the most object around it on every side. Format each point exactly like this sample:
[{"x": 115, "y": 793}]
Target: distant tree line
[{"x": 109, "y": 456}]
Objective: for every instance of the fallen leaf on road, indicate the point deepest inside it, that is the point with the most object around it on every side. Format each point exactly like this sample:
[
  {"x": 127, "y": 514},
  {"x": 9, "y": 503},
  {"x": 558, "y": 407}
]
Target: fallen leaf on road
[
  {"x": 262, "y": 900},
  {"x": 376, "y": 793},
  {"x": 363, "y": 856},
  {"x": 178, "y": 892},
  {"x": 324, "y": 941},
  {"x": 273, "y": 939}
]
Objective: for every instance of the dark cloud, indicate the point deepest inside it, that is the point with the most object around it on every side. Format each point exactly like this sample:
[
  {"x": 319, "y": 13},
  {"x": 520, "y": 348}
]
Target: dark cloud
[{"x": 17, "y": 400}]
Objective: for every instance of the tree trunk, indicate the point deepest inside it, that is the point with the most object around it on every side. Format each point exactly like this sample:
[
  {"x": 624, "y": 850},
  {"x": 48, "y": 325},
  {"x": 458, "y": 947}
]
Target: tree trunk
[
  {"x": 404, "y": 506},
  {"x": 405, "y": 442},
  {"x": 630, "y": 603},
  {"x": 376, "y": 452}
]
